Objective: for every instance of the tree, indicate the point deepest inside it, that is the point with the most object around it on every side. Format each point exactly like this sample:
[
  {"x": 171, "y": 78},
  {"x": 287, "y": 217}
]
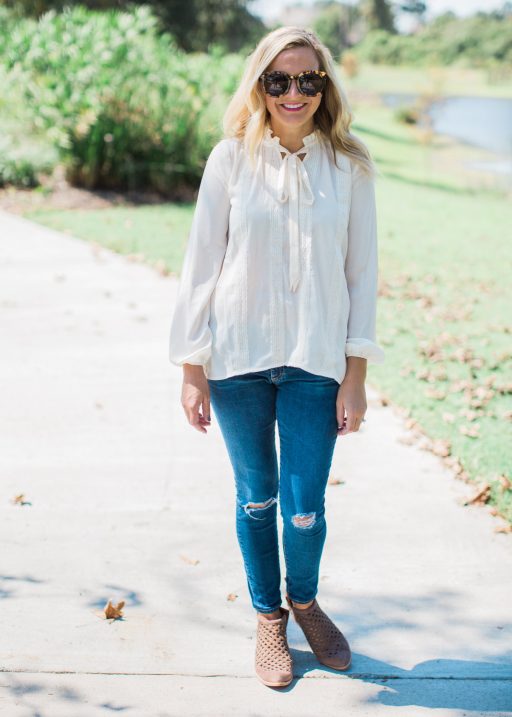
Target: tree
[
  {"x": 378, "y": 15},
  {"x": 195, "y": 24},
  {"x": 332, "y": 24}
]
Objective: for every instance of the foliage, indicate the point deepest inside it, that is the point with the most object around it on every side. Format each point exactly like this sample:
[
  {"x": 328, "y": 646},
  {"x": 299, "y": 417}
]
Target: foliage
[
  {"x": 123, "y": 104},
  {"x": 378, "y": 15},
  {"x": 476, "y": 41},
  {"x": 333, "y": 23},
  {"x": 20, "y": 166},
  {"x": 195, "y": 24}
]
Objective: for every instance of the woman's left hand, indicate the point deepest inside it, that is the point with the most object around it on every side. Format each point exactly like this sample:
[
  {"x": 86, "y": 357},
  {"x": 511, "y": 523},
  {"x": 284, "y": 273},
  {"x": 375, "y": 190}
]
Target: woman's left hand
[{"x": 352, "y": 399}]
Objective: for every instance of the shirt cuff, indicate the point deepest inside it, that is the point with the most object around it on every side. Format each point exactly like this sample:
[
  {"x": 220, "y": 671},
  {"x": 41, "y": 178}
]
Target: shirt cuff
[
  {"x": 364, "y": 348},
  {"x": 197, "y": 358}
]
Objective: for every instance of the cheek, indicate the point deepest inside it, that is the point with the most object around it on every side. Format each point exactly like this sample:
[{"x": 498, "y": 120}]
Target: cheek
[
  {"x": 270, "y": 103},
  {"x": 316, "y": 103}
]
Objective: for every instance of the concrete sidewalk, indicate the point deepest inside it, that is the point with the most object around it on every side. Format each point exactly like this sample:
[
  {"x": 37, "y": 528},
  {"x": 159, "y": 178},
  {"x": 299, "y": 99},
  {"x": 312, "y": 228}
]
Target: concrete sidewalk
[{"x": 125, "y": 501}]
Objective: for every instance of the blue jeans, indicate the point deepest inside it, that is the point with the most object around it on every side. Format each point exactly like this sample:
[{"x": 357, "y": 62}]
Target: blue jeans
[{"x": 304, "y": 405}]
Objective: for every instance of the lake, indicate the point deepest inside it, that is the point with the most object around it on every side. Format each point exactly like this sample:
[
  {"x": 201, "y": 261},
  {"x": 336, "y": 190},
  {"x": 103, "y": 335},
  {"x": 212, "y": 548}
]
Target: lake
[{"x": 484, "y": 122}]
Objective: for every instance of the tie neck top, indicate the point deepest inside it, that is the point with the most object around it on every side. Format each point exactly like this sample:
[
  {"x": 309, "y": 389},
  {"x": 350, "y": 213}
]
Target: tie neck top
[
  {"x": 293, "y": 186},
  {"x": 281, "y": 263}
]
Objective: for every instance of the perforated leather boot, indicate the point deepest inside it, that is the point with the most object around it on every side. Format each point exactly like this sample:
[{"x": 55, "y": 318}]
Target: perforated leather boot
[
  {"x": 273, "y": 662},
  {"x": 325, "y": 639}
]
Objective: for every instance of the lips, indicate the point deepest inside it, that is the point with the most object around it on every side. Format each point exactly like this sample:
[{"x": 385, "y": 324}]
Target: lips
[{"x": 290, "y": 107}]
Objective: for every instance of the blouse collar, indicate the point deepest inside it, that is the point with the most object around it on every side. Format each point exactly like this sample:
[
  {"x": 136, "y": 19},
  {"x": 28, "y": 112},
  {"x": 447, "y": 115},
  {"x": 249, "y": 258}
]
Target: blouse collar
[{"x": 309, "y": 140}]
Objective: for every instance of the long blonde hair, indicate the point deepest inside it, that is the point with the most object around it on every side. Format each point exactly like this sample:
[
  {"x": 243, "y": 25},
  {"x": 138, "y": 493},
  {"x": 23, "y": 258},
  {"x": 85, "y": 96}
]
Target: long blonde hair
[{"x": 246, "y": 115}]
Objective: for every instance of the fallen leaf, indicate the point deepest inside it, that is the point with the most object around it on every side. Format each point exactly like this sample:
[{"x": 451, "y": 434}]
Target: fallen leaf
[
  {"x": 407, "y": 440},
  {"x": 505, "y": 482},
  {"x": 20, "y": 500},
  {"x": 441, "y": 447},
  {"x": 503, "y": 529},
  {"x": 481, "y": 496},
  {"x": 436, "y": 393},
  {"x": 112, "y": 611},
  {"x": 190, "y": 561},
  {"x": 471, "y": 431}
]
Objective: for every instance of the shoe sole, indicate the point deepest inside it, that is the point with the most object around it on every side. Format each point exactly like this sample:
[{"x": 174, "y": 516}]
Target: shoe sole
[
  {"x": 274, "y": 684},
  {"x": 340, "y": 669}
]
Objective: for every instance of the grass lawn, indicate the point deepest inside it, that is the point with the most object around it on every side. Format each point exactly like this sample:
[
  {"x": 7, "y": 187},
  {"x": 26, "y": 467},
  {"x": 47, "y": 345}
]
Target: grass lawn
[
  {"x": 448, "y": 80},
  {"x": 444, "y": 306}
]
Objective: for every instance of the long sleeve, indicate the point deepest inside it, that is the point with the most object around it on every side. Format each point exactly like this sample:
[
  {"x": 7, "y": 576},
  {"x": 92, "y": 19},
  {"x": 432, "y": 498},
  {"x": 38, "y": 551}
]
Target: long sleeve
[
  {"x": 361, "y": 270},
  {"x": 190, "y": 335}
]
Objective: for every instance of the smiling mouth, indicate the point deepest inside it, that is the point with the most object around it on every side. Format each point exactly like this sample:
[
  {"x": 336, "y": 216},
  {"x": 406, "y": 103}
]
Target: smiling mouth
[{"x": 293, "y": 107}]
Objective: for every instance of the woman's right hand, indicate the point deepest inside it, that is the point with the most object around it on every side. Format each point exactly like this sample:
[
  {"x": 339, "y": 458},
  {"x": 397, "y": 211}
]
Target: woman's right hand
[{"x": 195, "y": 393}]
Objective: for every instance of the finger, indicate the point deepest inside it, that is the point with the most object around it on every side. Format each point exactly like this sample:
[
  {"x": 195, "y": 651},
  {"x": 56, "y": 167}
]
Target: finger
[
  {"x": 340, "y": 415},
  {"x": 351, "y": 423},
  {"x": 206, "y": 408},
  {"x": 195, "y": 419}
]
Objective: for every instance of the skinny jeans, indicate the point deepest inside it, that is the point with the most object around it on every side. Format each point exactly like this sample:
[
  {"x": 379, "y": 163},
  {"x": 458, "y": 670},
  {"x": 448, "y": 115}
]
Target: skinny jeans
[{"x": 247, "y": 407}]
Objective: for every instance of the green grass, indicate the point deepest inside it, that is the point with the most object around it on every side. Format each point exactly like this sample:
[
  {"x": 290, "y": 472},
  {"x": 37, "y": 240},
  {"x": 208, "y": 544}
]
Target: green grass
[
  {"x": 157, "y": 234},
  {"x": 431, "y": 80},
  {"x": 444, "y": 306}
]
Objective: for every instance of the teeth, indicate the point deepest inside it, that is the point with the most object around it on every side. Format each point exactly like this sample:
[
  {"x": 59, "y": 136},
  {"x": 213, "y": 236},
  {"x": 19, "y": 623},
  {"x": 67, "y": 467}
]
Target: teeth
[{"x": 294, "y": 106}]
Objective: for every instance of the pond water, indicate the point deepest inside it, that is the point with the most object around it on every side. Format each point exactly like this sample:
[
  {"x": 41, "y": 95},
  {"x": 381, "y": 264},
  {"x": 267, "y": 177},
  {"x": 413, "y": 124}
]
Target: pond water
[{"x": 484, "y": 122}]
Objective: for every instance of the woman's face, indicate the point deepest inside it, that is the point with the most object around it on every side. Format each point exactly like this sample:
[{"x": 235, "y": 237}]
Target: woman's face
[{"x": 293, "y": 61}]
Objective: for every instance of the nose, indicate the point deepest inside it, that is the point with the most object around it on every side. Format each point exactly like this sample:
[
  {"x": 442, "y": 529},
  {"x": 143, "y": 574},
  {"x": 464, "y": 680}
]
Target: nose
[{"x": 293, "y": 92}]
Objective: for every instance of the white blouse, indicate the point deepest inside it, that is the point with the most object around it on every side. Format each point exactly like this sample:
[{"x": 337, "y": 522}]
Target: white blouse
[{"x": 281, "y": 263}]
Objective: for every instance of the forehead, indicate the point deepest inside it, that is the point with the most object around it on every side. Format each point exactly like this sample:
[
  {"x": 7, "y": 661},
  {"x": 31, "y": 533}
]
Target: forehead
[{"x": 295, "y": 60}]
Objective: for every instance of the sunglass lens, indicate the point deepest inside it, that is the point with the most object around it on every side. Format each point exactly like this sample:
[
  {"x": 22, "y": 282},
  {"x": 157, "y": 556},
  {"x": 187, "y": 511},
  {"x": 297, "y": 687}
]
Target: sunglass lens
[
  {"x": 276, "y": 83},
  {"x": 311, "y": 84}
]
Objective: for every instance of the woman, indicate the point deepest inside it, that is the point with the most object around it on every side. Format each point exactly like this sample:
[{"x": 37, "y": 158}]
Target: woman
[{"x": 275, "y": 321}]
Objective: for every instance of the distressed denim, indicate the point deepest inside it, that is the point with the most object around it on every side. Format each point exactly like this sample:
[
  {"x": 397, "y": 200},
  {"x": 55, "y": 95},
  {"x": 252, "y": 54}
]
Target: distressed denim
[{"x": 247, "y": 407}]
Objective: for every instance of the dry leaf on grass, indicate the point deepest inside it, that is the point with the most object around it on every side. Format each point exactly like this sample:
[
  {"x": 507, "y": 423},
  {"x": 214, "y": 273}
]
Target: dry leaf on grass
[
  {"x": 113, "y": 611},
  {"x": 436, "y": 393},
  {"x": 506, "y": 483},
  {"x": 470, "y": 431}
]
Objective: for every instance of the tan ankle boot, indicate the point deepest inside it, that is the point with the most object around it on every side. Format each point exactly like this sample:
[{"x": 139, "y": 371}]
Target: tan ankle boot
[
  {"x": 327, "y": 642},
  {"x": 273, "y": 662}
]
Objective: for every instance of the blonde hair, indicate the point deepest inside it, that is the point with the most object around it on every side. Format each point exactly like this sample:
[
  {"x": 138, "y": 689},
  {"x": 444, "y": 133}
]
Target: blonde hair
[{"x": 246, "y": 115}]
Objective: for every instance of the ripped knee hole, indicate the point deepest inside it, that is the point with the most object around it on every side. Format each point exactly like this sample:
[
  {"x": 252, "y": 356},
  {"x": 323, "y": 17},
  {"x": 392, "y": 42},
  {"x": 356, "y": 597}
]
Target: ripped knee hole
[{"x": 304, "y": 520}]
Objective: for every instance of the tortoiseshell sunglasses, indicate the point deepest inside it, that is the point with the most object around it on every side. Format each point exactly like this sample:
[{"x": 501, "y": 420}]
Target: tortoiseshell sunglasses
[{"x": 309, "y": 82}]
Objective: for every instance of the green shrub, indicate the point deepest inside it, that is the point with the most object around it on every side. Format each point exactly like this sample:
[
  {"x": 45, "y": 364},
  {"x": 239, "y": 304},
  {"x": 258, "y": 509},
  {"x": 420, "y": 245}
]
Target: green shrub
[
  {"x": 475, "y": 41},
  {"x": 21, "y": 166},
  {"x": 124, "y": 106}
]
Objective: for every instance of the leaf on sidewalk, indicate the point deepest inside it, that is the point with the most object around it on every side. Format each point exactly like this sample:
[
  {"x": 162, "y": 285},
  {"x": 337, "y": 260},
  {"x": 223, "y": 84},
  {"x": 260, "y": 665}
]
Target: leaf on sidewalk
[
  {"x": 190, "y": 561},
  {"x": 113, "y": 611},
  {"x": 20, "y": 500},
  {"x": 503, "y": 528},
  {"x": 441, "y": 447},
  {"x": 481, "y": 496}
]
